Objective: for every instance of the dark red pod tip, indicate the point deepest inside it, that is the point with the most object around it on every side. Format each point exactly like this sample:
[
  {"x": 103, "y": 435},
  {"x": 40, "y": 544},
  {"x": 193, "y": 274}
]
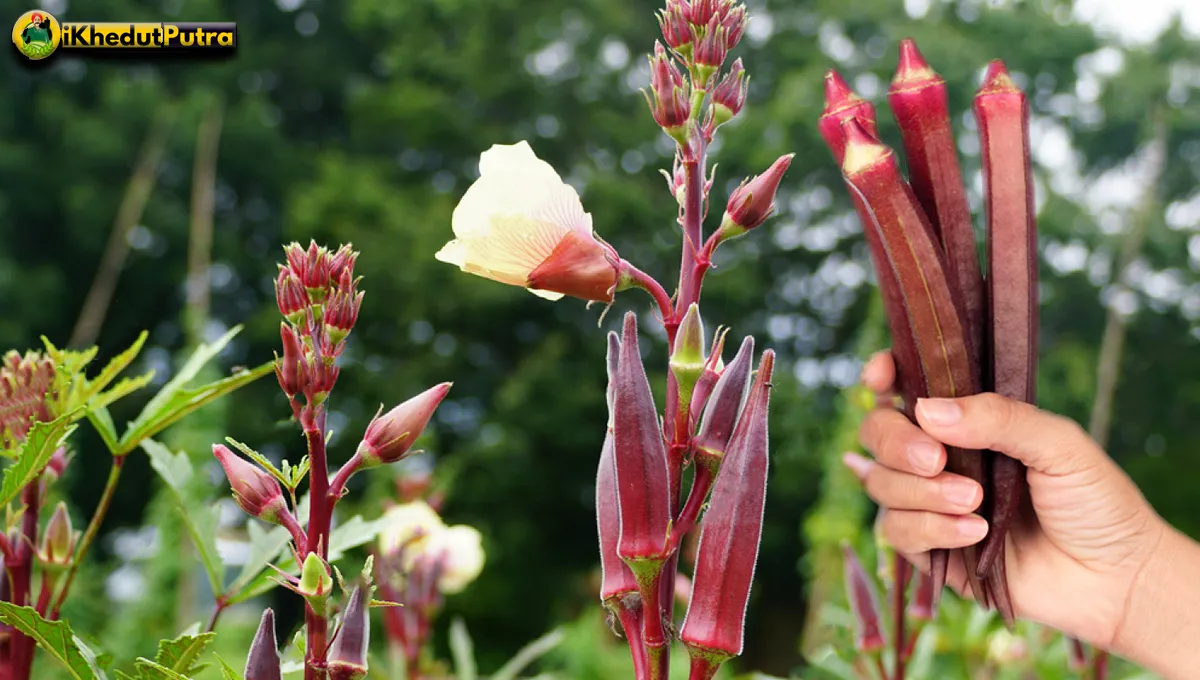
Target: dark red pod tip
[{"x": 262, "y": 663}]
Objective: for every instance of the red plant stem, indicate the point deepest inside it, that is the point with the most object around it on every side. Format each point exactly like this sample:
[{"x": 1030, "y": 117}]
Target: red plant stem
[
  {"x": 1100, "y": 665},
  {"x": 691, "y": 273},
  {"x": 654, "y": 636},
  {"x": 218, "y": 607},
  {"x": 21, "y": 574},
  {"x": 651, "y": 285},
  {"x": 288, "y": 521},
  {"x": 631, "y": 623},
  {"x": 318, "y": 537},
  {"x": 46, "y": 592},
  {"x": 900, "y": 577},
  {"x": 338, "y": 485},
  {"x": 89, "y": 534},
  {"x": 686, "y": 521},
  {"x": 703, "y": 668}
]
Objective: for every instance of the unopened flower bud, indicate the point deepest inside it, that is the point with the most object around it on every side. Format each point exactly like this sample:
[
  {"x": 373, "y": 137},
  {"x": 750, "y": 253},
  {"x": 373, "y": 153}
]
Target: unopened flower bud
[
  {"x": 58, "y": 463},
  {"x": 687, "y": 356},
  {"x": 669, "y": 96},
  {"x": 291, "y": 296},
  {"x": 676, "y": 29},
  {"x": 390, "y": 437},
  {"x": 312, "y": 267},
  {"x": 702, "y": 12},
  {"x": 713, "y": 367},
  {"x": 289, "y": 367},
  {"x": 724, "y": 406},
  {"x": 341, "y": 264},
  {"x": 730, "y": 535},
  {"x": 677, "y": 180},
  {"x": 729, "y": 94},
  {"x": 864, "y": 603},
  {"x": 58, "y": 539},
  {"x": 754, "y": 201},
  {"x": 733, "y": 20},
  {"x": 710, "y": 52},
  {"x": 255, "y": 491},
  {"x": 641, "y": 460},
  {"x": 348, "y": 657},
  {"x": 315, "y": 582},
  {"x": 341, "y": 309},
  {"x": 262, "y": 663}
]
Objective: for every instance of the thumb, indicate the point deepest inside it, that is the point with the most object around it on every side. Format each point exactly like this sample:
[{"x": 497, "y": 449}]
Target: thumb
[{"x": 1043, "y": 441}]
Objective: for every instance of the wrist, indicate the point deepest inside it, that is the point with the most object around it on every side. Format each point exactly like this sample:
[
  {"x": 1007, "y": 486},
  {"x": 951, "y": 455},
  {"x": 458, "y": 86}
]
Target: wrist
[{"x": 1161, "y": 621}]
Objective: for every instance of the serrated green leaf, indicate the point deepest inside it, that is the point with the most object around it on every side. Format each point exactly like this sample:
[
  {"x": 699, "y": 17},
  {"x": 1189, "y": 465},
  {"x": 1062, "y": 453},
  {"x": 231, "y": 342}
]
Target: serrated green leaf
[
  {"x": 227, "y": 671},
  {"x": 180, "y": 401},
  {"x": 102, "y": 422},
  {"x": 150, "y": 670},
  {"x": 200, "y": 522},
  {"x": 462, "y": 650},
  {"x": 265, "y": 547},
  {"x": 114, "y": 368},
  {"x": 55, "y": 638},
  {"x": 33, "y": 454},
  {"x": 201, "y": 356},
  {"x": 181, "y": 653},
  {"x": 125, "y": 387}
]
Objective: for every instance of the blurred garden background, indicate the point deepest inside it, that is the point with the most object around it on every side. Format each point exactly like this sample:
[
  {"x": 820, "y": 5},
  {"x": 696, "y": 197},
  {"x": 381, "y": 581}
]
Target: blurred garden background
[{"x": 157, "y": 194}]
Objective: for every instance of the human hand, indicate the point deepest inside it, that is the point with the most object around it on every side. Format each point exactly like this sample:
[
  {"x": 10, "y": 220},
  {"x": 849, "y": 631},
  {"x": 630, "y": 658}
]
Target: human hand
[{"x": 1074, "y": 566}]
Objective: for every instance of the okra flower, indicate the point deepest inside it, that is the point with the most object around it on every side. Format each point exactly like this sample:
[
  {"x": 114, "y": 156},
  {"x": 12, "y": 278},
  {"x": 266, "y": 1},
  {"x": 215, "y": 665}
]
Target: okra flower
[
  {"x": 459, "y": 550},
  {"x": 520, "y": 224},
  {"x": 405, "y": 524}
]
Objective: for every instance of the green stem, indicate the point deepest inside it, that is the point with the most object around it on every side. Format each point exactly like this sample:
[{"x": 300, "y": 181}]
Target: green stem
[{"x": 89, "y": 534}]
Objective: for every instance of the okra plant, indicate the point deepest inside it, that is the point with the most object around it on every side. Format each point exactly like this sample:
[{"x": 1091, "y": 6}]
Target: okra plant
[{"x": 520, "y": 224}]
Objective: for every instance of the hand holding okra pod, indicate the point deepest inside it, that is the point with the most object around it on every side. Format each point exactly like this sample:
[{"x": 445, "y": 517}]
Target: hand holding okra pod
[{"x": 1098, "y": 563}]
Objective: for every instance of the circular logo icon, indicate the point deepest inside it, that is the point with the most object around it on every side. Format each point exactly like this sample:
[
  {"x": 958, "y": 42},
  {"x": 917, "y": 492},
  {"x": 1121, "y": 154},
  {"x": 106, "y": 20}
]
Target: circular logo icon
[{"x": 36, "y": 34}]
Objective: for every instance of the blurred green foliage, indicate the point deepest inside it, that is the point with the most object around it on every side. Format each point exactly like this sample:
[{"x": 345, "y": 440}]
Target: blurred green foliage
[{"x": 362, "y": 121}]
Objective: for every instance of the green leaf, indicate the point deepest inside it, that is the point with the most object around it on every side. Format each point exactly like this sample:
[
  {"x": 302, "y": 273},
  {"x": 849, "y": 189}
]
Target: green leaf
[
  {"x": 181, "y": 653},
  {"x": 122, "y": 675},
  {"x": 462, "y": 649},
  {"x": 201, "y": 522},
  {"x": 227, "y": 671},
  {"x": 179, "y": 402},
  {"x": 150, "y": 670},
  {"x": 528, "y": 654},
  {"x": 56, "y": 638},
  {"x": 114, "y": 368},
  {"x": 121, "y": 389},
  {"x": 102, "y": 422},
  {"x": 265, "y": 546},
  {"x": 33, "y": 454}
]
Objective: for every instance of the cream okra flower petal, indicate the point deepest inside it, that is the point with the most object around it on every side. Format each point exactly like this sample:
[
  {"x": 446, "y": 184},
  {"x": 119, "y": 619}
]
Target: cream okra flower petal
[
  {"x": 461, "y": 552},
  {"x": 404, "y": 526},
  {"x": 520, "y": 224}
]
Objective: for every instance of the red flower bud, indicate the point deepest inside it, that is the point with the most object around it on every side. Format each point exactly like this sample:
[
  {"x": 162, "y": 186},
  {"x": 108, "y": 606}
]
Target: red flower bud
[
  {"x": 255, "y": 491},
  {"x": 641, "y": 458},
  {"x": 754, "y": 201},
  {"x": 263, "y": 661},
  {"x": 733, "y": 20},
  {"x": 703, "y": 12},
  {"x": 724, "y": 405},
  {"x": 669, "y": 96},
  {"x": 676, "y": 29},
  {"x": 288, "y": 369},
  {"x": 341, "y": 311},
  {"x": 711, "y": 48},
  {"x": 864, "y": 603},
  {"x": 729, "y": 94},
  {"x": 390, "y": 437},
  {"x": 730, "y": 533},
  {"x": 712, "y": 372},
  {"x": 58, "y": 463},
  {"x": 342, "y": 263},
  {"x": 291, "y": 296},
  {"x": 348, "y": 658},
  {"x": 312, "y": 267}
]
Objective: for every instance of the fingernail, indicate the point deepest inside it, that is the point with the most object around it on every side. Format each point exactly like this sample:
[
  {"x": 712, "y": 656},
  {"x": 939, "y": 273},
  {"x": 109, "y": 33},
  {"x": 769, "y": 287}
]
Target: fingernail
[
  {"x": 972, "y": 527},
  {"x": 858, "y": 465},
  {"x": 924, "y": 456},
  {"x": 940, "y": 411},
  {"x": 961, "y": 492}
]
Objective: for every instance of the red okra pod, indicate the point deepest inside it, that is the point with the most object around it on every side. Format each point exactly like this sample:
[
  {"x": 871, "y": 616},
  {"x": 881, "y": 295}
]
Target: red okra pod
[
  {"x": 640, "y": 457},
  {"x": 724, "y": 405},
  {"x": 841, "y": 105},
  {"x": 262, "y": 663},
  {"x": 864, "y": 602},
  {"x": 713, "y": 629},
  {"x": 938, "y": 332},
  {"x": 348, "y": 657},
  {"x": 617, "y": 582},
  {"x": 1002, "y": 112},
  {"x": 919, "y": 102}
]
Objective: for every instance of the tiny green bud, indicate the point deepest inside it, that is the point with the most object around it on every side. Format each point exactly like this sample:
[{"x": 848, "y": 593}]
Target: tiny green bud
[
  {"x": 687, "y": 356},
  {"x": 58, "y": 541},
  {"x": 315, "y": 582}
]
